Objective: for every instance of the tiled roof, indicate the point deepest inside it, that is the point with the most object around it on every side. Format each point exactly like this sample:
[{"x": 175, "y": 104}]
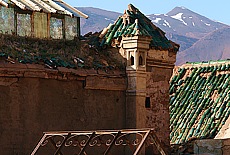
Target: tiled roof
[
  {"x": 199, "y": 100},
  {"x": 58, "y": 53},
  {"x": 48, "y": 6},
  {"x": 133, "y": 23}
]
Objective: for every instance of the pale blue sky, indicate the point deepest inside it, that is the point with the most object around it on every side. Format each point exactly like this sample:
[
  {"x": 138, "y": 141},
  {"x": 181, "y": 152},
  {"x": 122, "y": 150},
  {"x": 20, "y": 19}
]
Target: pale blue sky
[{"x": 218, "y": 10}]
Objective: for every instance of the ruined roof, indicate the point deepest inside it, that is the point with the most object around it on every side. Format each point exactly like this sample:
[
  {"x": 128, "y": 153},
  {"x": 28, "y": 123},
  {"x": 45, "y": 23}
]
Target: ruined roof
[
  {"x": 134, "y": 23},
  {"x": 76, "y": 54},
  {"x": 48, "y": 6},
  {"x": 199, "y": 100}
]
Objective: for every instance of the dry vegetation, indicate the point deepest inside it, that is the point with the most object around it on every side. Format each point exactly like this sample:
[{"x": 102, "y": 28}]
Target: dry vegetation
[{"x": 83, "y": 53}]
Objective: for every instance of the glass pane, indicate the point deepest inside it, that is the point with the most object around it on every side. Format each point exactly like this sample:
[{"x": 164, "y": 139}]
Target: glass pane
[
  {"x": 70, "y": 27},
  {"x": 24, "y": 24},
  {"x": 56, "y": 28},
  {"x": 6, "y": 20}
]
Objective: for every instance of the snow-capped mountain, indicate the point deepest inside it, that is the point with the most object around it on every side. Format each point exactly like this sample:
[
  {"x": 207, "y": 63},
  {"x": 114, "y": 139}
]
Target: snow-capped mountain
[{"x": 182, "y": 21}]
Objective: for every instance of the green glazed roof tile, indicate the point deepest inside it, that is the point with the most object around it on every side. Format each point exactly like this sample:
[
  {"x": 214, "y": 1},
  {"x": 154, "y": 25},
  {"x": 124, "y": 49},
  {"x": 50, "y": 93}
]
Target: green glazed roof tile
[
  {"x": 134, "y": 20},
  {"x": 200, "y": 106}
]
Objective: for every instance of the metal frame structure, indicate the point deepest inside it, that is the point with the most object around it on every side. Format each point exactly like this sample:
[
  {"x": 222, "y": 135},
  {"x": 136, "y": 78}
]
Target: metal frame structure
[
  {"x": 48, "y": 6},
  {"x": 33, "y": 18},
  {"x": 80, "y": 142}
]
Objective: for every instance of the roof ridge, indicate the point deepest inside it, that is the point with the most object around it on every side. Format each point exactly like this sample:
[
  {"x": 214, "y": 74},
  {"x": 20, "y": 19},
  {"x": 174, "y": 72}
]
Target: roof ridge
[
  {"x": 206, "y": 63},
  {"x": 135, "y": 23}
]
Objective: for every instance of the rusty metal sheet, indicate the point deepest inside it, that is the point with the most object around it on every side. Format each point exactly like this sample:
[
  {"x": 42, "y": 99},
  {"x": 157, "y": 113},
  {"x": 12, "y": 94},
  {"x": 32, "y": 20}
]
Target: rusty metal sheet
[
  {"x": 48, "y": 6},
  {"x": 45, "y": 6},
  {"x": 31, "y": 5},
  {"x": 42, "y": 17},
  {"x": 59, "y": 9},
  {"x": 19, "y": 4},
  {"x": 71, "y": 9}
]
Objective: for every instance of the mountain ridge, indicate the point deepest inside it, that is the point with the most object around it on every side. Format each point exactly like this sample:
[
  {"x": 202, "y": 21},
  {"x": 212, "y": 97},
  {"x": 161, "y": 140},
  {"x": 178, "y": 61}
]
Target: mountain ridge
[
  {"x": 181, "y": 25},
  {"x": 214, "y": 46},
  {"x": 185, "y": 22}
]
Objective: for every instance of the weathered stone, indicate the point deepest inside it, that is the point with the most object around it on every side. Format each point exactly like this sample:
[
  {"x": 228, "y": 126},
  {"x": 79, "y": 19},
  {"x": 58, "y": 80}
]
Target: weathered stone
[{"x": 211, "y": 147}]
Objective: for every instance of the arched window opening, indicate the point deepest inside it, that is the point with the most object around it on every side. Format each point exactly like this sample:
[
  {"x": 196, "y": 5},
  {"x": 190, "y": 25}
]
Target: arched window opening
[
  {"x": 141, "y": 60},
  {"x": 132, "y": 60}
]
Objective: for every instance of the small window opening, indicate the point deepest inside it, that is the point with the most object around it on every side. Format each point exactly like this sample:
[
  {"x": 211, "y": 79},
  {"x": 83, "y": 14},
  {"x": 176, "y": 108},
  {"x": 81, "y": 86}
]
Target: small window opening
[
  {"x": 132, "y": 60},
  {"x": 147, "y": 102},
  {"x": 140, "y": 60}
]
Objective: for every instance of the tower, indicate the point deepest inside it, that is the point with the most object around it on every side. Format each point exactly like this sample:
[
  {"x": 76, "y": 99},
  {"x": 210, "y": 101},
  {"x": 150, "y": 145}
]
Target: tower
[
  {"x": 150, "y": 59},
  {"x": 135, "y": 49}
]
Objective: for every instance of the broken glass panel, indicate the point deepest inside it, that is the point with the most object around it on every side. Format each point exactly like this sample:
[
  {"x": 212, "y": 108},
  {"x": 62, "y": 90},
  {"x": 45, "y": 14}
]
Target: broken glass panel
[
  {"x": 70, "y": 27},
  {"x": 24, "y": 24},
  {"x": 6, "y": 20},
  {"x": 56, "y": 28}
]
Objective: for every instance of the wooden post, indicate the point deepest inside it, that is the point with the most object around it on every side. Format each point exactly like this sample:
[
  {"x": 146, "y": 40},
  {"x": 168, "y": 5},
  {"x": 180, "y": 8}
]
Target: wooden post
[
  {"x": 15, "y": 22},
  {"x": 48, "y": 26},
  {"x": 63, "y": 27},
  {"x": 32, "y": 24},
  {"x": 78, "y": 27}
]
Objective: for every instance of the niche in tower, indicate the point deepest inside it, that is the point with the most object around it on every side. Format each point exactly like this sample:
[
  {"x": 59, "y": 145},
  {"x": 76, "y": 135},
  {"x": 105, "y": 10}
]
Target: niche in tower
[{"x": 141, "y": 60}]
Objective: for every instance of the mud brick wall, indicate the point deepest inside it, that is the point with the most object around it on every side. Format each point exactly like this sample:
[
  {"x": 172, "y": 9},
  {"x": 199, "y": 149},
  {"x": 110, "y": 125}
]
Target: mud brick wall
[
  {"x": 36, "y": 100},
  {"x": 158, "y": 112}
]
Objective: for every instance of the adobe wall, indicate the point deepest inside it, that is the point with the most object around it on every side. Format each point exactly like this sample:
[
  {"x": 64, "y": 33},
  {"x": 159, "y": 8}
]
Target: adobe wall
[
  {"x": 159, "y": 71},
  {"x": 34, "y": 100},
  {"x": 148, "y": 81}
]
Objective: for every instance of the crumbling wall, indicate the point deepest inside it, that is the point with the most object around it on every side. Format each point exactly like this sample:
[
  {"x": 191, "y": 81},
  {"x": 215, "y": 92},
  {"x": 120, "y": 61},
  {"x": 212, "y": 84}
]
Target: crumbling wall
[
  {"x": 34, "y": 100},
  {"x": 159, "y": 71},
  {"x": 158, "y": 111}
]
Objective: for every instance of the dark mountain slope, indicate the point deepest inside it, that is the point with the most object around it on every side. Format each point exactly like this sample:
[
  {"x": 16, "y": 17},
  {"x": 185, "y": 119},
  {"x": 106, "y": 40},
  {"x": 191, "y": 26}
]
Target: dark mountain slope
[
  {"x": 98, "y": 19},
  {"x": 214, "y": 46}
]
